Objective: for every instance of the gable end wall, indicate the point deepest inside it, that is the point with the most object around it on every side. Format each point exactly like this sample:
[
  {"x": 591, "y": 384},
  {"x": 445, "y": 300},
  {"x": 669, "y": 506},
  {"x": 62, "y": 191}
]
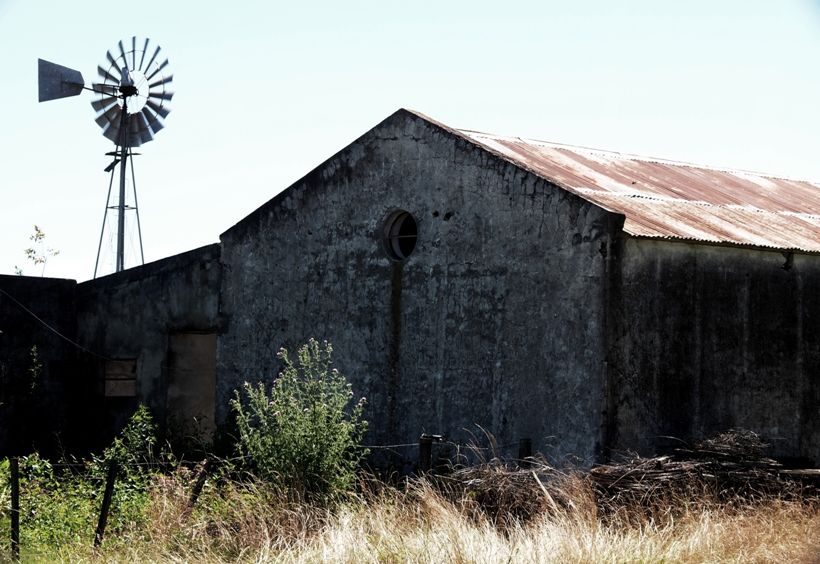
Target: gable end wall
[{"x": 494, "y": 320}]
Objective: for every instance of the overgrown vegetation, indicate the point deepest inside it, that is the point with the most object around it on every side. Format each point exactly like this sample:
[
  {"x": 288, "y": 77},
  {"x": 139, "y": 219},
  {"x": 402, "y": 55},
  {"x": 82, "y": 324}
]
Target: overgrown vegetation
[
  {"x": 304, "y": 431},
  {"x": 60, "y": 502},
  {"x": 255, "y": 521},
  {"x": 720, "y": 500}
]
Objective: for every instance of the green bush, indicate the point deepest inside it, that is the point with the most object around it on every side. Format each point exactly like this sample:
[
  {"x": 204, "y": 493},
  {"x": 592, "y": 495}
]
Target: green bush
[
  {"x": 132, "y": 450},
  {"x": 303, "y": 431}
]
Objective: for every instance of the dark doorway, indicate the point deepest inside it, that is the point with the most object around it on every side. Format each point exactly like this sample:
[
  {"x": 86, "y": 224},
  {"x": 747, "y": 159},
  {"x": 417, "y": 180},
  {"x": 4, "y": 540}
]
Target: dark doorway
[{"x": 191, "y": 393}]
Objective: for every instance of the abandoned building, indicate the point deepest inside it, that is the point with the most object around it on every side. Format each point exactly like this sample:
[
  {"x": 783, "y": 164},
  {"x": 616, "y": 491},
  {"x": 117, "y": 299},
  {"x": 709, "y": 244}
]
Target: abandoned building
[{"x": 587, "y": 300}]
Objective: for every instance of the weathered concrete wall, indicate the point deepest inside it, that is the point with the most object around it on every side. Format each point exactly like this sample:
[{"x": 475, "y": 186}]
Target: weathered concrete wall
[
  {"x": 129, "y": 315},
  {"x": 496, "y": 319},
  {"x": 716, "y": 337},
  {"x": 35, "y": 406}
]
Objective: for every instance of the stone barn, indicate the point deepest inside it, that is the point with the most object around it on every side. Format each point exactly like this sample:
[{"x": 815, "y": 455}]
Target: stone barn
[{"x": 589, "y": 301}]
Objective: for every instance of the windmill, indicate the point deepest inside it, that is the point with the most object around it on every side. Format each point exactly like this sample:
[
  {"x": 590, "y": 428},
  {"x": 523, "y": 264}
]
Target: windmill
[{"x": 131, "y": 105}]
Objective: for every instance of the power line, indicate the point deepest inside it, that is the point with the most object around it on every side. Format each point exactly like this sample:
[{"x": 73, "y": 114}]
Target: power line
[{"x": 51, "y": 328}]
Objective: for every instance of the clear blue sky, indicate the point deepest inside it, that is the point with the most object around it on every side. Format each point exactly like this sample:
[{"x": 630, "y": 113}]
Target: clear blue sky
[{"x": 265, "y": 91}]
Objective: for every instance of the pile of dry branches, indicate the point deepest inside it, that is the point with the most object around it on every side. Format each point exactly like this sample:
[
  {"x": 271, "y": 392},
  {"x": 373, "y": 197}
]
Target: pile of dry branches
[
  {"x": 728, "y": 467},
  {"x": 505, "y": 493}
]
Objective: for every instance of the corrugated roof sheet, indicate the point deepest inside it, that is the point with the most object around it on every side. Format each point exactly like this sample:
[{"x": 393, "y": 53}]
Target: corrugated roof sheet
[{"x": 667, "y": 199}]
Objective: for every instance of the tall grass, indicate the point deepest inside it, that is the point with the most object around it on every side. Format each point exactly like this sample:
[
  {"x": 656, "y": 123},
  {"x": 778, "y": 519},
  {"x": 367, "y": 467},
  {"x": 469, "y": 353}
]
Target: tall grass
[
  {"x": 424, "y": 527},
  {"x": 733, "y": 508},
  {"x": 250, "y": 521}
]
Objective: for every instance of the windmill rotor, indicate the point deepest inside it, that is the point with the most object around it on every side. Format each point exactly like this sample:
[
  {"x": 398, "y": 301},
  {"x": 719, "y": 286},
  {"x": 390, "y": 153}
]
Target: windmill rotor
[{"x": 141, "y": 87}]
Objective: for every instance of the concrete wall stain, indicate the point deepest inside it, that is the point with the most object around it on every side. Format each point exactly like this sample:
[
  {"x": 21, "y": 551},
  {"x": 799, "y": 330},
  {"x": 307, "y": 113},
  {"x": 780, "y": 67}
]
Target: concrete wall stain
[{"x": 394, "y": 361}]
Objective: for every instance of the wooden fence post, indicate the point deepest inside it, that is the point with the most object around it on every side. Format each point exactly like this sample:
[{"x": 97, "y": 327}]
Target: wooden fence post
[
  {"x": 106, "y": 503},
  {"x": 200, "y": 483},
  {"x": 425, "y": 453},
  {"x": 14, "y": 467},
  {"x": 524, "y": 452}
]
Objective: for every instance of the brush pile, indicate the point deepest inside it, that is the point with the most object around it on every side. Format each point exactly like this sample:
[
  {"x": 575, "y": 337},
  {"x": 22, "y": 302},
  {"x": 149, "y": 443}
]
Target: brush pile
[
  {"x": 729, "y": 467},
  {"x": 505, "y": 493}
]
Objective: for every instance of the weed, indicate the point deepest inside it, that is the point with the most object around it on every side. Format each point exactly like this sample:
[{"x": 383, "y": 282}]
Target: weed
[{"x": 305, "y": 432}]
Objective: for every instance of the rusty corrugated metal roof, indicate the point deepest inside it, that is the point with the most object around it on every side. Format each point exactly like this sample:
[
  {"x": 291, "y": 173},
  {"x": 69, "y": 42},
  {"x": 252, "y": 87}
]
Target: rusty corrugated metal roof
[{"x": 667, "y": 199}]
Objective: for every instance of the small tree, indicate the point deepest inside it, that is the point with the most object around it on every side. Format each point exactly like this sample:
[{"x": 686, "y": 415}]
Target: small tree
[
  {"x": 38, "y": 253},
  {"x": 305, "y": 431}
]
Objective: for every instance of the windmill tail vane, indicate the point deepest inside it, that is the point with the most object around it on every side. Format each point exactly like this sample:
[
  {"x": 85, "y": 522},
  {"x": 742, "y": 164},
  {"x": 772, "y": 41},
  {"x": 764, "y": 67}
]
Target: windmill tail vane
[{"x": 131, "y": 105}]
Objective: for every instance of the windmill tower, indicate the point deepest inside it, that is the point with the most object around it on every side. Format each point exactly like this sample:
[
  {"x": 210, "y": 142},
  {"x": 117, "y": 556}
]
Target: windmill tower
[{"x": 131, "y": 105}]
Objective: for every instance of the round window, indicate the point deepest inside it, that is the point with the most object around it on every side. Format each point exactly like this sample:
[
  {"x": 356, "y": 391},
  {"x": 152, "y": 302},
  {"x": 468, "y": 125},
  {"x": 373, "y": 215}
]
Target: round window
[{"x": 400, "y": 234}]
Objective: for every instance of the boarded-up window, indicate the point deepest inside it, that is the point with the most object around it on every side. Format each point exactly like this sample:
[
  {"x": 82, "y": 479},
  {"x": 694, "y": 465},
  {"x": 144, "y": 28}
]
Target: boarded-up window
[{"x": 120, "y": 378}]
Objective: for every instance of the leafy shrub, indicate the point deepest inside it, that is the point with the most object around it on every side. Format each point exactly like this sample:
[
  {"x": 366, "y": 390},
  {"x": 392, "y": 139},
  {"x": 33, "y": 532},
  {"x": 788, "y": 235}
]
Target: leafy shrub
[
  {"x": 305, "y": 430},
  {"x": 135, "y": 443},
  {"x": 132, "y": 450}
]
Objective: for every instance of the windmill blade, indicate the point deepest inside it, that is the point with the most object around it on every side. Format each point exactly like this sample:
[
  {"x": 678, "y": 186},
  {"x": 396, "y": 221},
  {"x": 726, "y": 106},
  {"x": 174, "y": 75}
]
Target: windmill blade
[
  {"x": 134, "y": 139},
  {"x": 156, "y": 126},
  {"x": 161, "y": 95},
  {"x": 153, "y": 121},
  {"x": 146, "y": 136},
  {"x": 141, "y": 119},
  {"x": 112, "y": 132},
  {"x": 161, "y": 110},
  {"x": 104, "y": 74},
  {"x": 144, "y": 130},
  {"x": 151, "y": 60},
  {"x": 133, "y": 52},
  {"x": 159, "y": 68},
  {"x": 56, "y": 81},
  {"x": 165, "y": 80},
  {"x": 148, "y": 114},
  {"x": 122, "y": 54},
  {"x": 103, "y": 104},
  {"x": 144, "y": 50},
  {"x": 113, "y": 62},
  {"x": 111, "y": 116}
]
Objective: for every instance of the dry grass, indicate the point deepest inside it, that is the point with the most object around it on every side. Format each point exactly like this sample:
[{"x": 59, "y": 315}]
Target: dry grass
[
  {"x": 719, "y": 501},
  {"x": 426, "y": 528},
  {"x": 423, "y": 523}
]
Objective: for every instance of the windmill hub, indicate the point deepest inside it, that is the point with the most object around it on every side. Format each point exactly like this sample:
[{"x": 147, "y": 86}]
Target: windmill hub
[
  {"x": 128, "y": 90},
  {"x": 127, "y": 86}
]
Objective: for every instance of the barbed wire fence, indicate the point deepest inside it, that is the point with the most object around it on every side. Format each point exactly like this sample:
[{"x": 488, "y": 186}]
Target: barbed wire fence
[{"x": 204, "y": 467}]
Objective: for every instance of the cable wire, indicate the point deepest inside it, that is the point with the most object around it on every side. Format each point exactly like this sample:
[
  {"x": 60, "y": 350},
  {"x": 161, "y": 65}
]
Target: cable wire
[{"x": 51, "y": 328}]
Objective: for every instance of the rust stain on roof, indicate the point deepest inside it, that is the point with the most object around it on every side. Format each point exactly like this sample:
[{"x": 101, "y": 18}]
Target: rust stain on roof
[{"x": 667, "y": 199}]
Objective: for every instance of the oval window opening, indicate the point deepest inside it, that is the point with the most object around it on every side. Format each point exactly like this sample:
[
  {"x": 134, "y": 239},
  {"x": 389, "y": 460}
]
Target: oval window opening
[{"x": 400, "y": 232}]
